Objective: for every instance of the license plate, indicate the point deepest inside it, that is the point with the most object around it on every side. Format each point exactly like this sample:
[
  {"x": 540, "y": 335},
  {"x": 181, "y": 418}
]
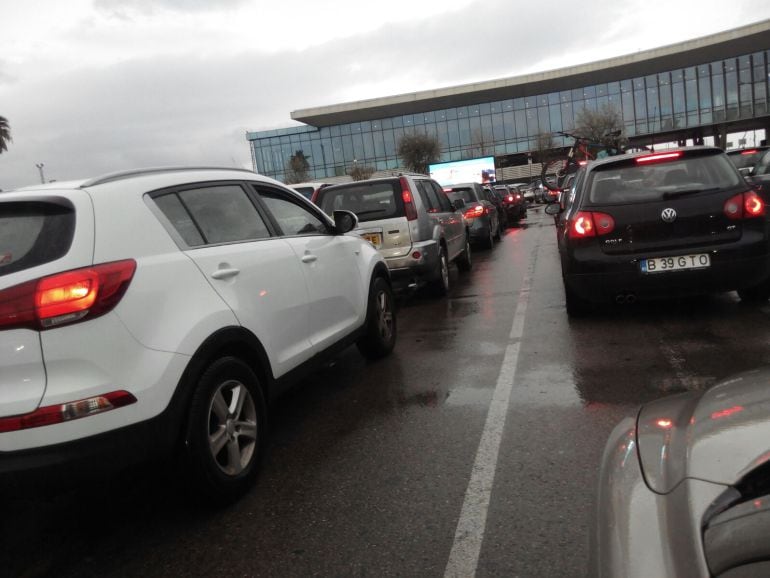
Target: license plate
[
  {"x": 374, "y": 238},
  {"x": 680, "y": 263}
]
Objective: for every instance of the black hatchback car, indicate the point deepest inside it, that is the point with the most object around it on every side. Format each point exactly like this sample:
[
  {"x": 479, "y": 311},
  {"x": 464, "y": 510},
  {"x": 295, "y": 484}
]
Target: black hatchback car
[{"x": 667, "y": 224}]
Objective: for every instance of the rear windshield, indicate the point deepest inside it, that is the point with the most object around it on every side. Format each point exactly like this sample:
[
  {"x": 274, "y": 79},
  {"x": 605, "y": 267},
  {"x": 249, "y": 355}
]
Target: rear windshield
[
  {"x": 369, "y": 201},
  {"x": 464, "y": 193},
  {"x": 633, "y": 183},
  {"x": 744, "y": 159},
  {"x": 32, "y": 234}
]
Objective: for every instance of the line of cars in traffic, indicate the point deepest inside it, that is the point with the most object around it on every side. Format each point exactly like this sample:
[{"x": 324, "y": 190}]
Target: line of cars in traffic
[
  {"x": 684, "y": 485},
  {"x": 420, "y": 227}
]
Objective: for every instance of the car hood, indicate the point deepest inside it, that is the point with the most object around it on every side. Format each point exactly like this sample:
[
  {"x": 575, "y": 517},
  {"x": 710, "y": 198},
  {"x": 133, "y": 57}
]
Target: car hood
[{"x": 716, "y": 436}]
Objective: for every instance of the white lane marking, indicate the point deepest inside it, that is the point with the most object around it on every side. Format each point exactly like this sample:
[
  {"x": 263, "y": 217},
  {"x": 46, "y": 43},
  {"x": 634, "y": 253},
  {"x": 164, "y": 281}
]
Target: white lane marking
[{"x": 469, "y": 535}]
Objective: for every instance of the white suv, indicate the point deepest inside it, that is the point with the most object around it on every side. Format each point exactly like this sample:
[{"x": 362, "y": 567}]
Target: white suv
[{"x": 162, "y": 309}]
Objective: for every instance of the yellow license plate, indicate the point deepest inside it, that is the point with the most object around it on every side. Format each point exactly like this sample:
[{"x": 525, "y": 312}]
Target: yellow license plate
[{"x": 374, "y": 238}]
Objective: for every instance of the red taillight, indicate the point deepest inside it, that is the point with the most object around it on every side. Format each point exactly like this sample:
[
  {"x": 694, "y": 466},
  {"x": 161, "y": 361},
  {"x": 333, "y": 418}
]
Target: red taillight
[
  {"x": 657, "y": 158},
  {"x": 744, "y": 206},
  {"x": 406, "y": 196},
  {"x": 750, "y": 152},
  {"x": 65, "y": 297},
  {"x": 477, "y": 211},
  {"x": 53, "y": 414},
  {"x": 590, "y": 224},
  {"x": 510, "y": 198}
]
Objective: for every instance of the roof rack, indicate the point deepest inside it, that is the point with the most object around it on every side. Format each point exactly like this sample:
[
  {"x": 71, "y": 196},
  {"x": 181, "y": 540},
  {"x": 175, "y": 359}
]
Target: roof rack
[{"x": 120, "y": 175}]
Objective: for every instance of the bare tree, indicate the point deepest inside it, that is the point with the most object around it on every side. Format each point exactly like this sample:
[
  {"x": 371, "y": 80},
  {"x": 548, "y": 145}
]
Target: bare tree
[
  {"x": 603, "y": 127},
  {"x": 548, "y": 155},
  {"x": 359, "y": 172},
  {"x": 297, "y": 168},
  {"x": 418, "y": 150},
  {"x": 5, "y": 134},
  {"x": 481, "y": 145}
]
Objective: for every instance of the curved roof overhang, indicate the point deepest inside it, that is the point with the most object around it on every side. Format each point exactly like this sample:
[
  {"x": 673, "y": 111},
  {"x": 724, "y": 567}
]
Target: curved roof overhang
[{"x": 744, "y": 40}]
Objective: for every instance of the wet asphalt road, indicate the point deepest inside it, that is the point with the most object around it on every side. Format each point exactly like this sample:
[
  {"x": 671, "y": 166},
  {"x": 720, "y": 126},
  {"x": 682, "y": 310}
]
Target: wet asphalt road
[{"x": 369, "y": 464}]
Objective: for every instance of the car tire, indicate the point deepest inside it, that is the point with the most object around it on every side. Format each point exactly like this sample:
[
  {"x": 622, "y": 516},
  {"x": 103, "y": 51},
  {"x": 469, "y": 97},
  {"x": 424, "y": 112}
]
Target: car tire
[
  {"x": 226, "y": 430},
  {"x": 576, "y": 305},
  {"x": 380, "y": 333},
  {"x": 440, "y": 285},
  {"x": 464, "y": 261},
  {"x": 757, "y": 294}
]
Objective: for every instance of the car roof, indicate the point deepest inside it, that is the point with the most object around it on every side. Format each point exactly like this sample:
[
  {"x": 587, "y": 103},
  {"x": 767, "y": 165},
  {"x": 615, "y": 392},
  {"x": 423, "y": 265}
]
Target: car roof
[{"x": 154, "y": 178}]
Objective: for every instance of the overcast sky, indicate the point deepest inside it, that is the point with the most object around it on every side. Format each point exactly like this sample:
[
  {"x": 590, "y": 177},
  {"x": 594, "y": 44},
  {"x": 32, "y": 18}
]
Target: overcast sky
[{"x": 93, "y": 86}]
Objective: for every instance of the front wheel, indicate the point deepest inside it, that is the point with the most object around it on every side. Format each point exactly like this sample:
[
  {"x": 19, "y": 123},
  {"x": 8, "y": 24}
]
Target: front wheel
[
  {"x": 380, "y": 336},
  {"x": 226, "y": 431}
]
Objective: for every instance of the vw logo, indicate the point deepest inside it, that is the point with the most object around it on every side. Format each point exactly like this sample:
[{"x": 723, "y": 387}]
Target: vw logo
[{"x": 668, "y": 215}]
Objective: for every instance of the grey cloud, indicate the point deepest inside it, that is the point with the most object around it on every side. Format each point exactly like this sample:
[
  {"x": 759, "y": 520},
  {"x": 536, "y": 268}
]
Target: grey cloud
[{"x": 125, "y": 8}]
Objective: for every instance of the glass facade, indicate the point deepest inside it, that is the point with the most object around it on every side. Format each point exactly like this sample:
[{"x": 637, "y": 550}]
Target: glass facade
[{"x": 687, "y": 98}]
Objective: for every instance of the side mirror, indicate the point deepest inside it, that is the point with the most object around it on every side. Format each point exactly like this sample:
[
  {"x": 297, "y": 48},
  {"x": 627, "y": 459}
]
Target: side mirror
[
  {"x": 552, "y": 209},
  {"x": 458, "y": 204},
  {"x": 746, "y": 171},
  {"x": 344, "y": 222}
]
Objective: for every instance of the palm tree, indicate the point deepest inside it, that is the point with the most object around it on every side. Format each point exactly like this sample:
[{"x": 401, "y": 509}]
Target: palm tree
[{"x": 5, "y": 134}]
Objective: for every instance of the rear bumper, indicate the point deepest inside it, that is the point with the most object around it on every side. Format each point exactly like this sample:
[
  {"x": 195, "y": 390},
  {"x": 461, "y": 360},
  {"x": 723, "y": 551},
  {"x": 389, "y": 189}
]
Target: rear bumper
[
  {"x": 90, "y": 457},
  {"x": 729, "y": 270},
  {"x": 410, "y": 272}
]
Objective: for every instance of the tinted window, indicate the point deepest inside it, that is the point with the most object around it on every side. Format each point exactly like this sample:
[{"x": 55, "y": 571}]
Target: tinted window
[
  {"x": 429, "y": 197},
  {"x": 369, "y": 202},
  {"x": 628, "y": 183},
  {"x": 222, "y": 214},
  {"x": 291, "y": 217},
  {"x": 32, "y": 234},
  {"x": 745, "y": 159},
  {"x": 464, "y": 193},
  {"x": 443, "y": 200},
  {"x": 180, "y": 219}
]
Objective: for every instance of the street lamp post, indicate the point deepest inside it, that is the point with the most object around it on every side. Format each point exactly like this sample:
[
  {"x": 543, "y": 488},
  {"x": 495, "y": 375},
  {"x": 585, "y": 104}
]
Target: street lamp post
[{"x": 40, "y": 168}]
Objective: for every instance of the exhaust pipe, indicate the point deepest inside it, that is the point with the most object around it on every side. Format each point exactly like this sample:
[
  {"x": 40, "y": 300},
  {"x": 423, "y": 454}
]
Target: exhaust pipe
[{"x": 625, "y": 298}]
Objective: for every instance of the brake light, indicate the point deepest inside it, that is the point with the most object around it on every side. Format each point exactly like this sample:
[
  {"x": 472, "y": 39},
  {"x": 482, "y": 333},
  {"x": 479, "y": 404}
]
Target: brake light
[
  {"x": 750, "y": 152},
  {"x": 590, "y": 224},
  {"x": 657, "y": 158},
  {"x": 53, "y": 414},
  {"x": 66, "y": 297},
  {"x": 744, "y": 206},
  {"x": 476, "y": 211},
  {"x": 406, "y": 196},
  {"x": 510, "y": 198}
]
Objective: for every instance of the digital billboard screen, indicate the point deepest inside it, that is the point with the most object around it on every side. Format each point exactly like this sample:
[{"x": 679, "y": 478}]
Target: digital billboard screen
[{"x": 481, "y": 170}]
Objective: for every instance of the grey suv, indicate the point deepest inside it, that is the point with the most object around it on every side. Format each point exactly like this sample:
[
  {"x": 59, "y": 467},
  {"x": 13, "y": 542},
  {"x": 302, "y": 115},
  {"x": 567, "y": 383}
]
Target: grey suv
[{"x": 410, "y": 220}]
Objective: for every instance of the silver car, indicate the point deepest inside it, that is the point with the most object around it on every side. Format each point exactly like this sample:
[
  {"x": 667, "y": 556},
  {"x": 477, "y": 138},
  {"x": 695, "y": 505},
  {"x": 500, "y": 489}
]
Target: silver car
[
  {"x": 684, "y": 488},
  {"x": 413, "y": 224}
]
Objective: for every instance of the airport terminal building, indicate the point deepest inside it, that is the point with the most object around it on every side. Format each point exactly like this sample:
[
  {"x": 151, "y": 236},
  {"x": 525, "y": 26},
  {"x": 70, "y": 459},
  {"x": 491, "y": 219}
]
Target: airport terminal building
[{"x": 684, "y": 92}]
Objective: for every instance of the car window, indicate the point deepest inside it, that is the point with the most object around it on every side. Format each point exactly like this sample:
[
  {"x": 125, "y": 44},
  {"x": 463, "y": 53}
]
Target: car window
[
  {"x": 32, "y": 234},
  {"x": 212, "y": 215},
  {"x": 464, "y": 193},
  {"x": 443, "y": 200},
  {"x": 369, "y": 201},
  {"x": 291, "y": 217},
  {"x": 627, "y": 183},
  {"x": 429, "y": 197}
]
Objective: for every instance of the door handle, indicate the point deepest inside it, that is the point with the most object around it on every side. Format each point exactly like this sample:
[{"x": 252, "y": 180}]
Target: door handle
[
  {"x": 225, "y": 273},
  {"x": 309, "y": 258}
]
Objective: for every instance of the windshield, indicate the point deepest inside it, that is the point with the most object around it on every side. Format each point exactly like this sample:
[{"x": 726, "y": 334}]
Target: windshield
[
  {"x": 640, "y": 183},
  {"x": 370, "y": 202},
  {"x": 466, "y": 194}
]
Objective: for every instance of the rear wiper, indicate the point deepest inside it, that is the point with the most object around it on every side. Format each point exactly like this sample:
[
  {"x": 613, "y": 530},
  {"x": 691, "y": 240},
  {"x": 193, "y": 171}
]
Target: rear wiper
[{"x": 685, "y": 192}]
